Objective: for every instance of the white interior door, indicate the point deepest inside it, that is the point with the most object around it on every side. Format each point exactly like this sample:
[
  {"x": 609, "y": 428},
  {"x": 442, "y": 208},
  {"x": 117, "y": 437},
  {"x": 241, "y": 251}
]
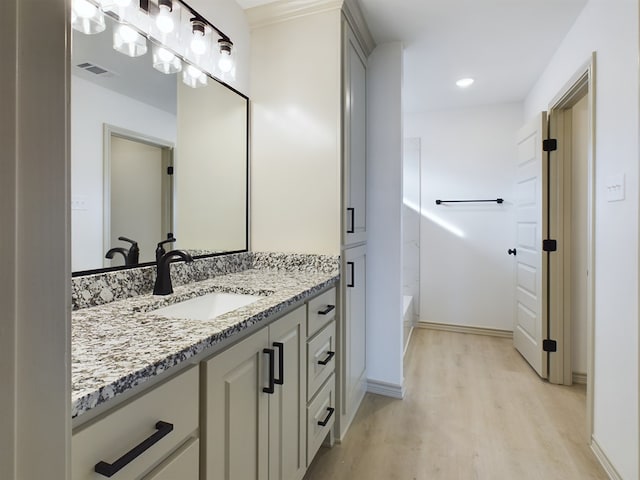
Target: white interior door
[{"x": 530, "y": 327}]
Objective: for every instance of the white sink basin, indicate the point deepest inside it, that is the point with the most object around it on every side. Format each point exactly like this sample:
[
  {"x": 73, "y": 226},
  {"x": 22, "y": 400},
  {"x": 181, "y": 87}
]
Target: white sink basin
[{"x": 207, "y": 306}]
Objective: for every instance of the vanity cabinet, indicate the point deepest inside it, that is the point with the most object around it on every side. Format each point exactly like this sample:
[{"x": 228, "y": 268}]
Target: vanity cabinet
[
  {"x": 353, "y": 333},
  {"x": 354, "y": 176},
  {"x": 254, "y": 418},
  {"x": 160, "y": 425}
]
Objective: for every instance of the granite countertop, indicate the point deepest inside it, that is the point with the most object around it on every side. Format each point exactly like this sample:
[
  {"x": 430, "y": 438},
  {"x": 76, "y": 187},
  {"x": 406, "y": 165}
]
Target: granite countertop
[{"x": 122, "y": 344}]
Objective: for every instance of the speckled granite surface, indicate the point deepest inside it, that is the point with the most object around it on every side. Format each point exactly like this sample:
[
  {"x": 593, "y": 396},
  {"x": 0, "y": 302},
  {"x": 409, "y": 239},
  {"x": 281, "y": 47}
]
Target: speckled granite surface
[
  {"x": 122, "y": 344},
  {"x": 103, "y": 288}
]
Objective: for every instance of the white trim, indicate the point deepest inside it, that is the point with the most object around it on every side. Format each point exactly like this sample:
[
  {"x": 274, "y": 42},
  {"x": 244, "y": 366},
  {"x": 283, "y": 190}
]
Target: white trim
[
  {"x": 563, "y": 100},
  {"x": 386, "y": 389},
  {"x": 579, "y": 378},
  {"x": 445, "y": 327},
  {"x": 604, "y": 461},
  {"x": 355, "y": 18},
  {"x": 284, "y": 10}
]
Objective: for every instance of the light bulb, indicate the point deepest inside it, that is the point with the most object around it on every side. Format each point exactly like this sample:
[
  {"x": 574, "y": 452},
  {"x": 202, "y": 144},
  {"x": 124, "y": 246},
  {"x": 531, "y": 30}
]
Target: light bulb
[
  {"x": 194, "y": 72},
  {"x": 128, "y": 34},
  {"x": 164, "y": 22},
  {"x": 225, "y": 64},
  {"x": 84, "y": 9},
  {"x": 165, "y": 61},
  {"x": 198, "y": 44}
]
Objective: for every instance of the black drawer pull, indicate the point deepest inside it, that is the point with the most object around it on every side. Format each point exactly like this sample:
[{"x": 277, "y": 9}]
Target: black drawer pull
[
  {"x": 330, "y": 355},
  {"x": 352, "y": 283},
  {"x": 328, "y": 417},
  {"x": 327, "y": 310},
  {"x": 352, "y": 228},
  {"x": 272, "y": 371},
  {"x": 280, "y": 347},
  {"x": 110, "y": 469}
]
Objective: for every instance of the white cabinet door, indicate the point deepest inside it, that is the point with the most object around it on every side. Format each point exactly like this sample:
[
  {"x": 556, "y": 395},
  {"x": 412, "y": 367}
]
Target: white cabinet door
[
  {"x": 287, "y": 423},
  {"x": 235, "y": 419},
  {"x": 354, "y": 139},
  {"x": 353, "y": 333}
]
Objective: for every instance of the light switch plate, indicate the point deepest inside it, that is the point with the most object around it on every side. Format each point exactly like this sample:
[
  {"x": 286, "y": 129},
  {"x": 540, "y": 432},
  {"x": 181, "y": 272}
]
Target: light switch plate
[
  {"x": 79, "y": 202},
  {"x": 615, "y": 188}
]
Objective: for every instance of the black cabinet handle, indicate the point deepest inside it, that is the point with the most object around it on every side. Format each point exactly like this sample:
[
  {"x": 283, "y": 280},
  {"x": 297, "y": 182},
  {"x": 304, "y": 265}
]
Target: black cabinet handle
[
  {"x": 352, "y": 212},
  {"x": 330, "y": 355},
  {"x": 353, "y": 275},
  {"x": 272, "y": 371},
  {"x": 324, "y": 422},
  {"x": 327, "y": 310},
  {"x": 280, "y": 347},
  {"x": 110, "y": 469},
  {"x": 512, "y": 251}
]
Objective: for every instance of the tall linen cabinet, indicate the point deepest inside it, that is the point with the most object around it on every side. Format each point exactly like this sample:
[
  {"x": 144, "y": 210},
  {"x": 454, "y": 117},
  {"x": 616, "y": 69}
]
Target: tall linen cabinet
[{"x": 308, "y": 156}]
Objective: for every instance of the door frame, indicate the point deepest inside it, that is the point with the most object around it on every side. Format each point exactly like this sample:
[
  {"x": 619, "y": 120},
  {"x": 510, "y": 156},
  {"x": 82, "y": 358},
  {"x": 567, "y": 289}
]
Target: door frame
[
  {"x": 560, "y": 370},
  {"x": 110, "y": 131}
]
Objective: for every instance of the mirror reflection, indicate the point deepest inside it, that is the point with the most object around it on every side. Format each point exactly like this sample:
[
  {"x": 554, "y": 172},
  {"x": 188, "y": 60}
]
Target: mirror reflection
[{"x": 152, "y": 159}]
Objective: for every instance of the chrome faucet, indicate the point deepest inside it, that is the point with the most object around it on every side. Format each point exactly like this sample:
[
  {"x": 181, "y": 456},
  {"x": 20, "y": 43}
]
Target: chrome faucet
[{"x": 163, "y": 279}]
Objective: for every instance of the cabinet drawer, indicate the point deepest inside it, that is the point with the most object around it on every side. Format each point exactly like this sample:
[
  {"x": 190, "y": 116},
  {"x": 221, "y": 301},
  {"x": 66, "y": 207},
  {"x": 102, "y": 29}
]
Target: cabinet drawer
[
  {"x": 321, "y": 415},
  {"x": 182, "y": 464},
  {"x": 174, "y": 402},
  {"x": 322, "y": 309},
  {"x": 321, "y": 360}
]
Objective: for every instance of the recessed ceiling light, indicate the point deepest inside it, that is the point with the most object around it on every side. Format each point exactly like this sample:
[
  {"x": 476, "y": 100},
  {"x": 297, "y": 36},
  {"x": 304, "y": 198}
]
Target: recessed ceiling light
[{"x": 465, "y": 82}]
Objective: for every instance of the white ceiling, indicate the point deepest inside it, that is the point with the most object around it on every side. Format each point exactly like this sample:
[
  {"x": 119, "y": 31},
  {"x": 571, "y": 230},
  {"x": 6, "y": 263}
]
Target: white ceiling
[{"x": 503, "y": 44}]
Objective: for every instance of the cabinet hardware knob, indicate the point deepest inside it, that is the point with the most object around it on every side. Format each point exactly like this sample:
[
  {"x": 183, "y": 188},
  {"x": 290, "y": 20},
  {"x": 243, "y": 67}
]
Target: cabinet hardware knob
[
  {"x": 324, "y": 422},
  {"x": 280, "y": 347},
  {"x": 270, "y": 352},
  {"x": 110, "y": 469},
  {"x": 327, "y": 310},
  {"x": 330, "y": 355}
]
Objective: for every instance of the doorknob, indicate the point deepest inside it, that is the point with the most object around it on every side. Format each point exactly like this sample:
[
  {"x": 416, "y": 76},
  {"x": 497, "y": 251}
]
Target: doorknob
[{"x": 512, "y": 251}]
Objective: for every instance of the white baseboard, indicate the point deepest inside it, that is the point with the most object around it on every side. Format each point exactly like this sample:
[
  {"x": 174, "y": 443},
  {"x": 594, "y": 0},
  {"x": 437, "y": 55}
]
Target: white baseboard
[
  {"x": 604, "y": 461},
  {"x": 445, "y": 327},
  {"x": 579, "y": 378},
  {"x": 385, "y": 389}
]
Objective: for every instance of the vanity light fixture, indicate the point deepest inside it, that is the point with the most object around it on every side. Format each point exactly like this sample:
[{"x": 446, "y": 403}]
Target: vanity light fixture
[
  {"x": 194, "y": 77},
  {"x": 128, "y": 41},
  {"x": 164, "y": 19},
  {"x": 178, "y": 33},
  {"x": 198, "y": 43},
  {"x": 165, "y": 61},
  {"x": 225, "y": 62},
  {"x": 465, "y": 82},
  {"x": 86, "y": 17}
]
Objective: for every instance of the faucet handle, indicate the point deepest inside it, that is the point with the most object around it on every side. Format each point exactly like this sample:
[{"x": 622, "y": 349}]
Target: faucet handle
[
  {"x": 125, "y": 239},
  {"x": 160, "y": 251}
]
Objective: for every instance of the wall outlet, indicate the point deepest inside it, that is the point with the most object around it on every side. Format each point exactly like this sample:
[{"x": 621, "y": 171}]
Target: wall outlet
[{"x": 615, "y": 188}]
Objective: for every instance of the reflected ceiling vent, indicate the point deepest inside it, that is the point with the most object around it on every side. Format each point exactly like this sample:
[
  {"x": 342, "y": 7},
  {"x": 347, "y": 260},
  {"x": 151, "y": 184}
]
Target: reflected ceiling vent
[{"x": 95, "y": 69}]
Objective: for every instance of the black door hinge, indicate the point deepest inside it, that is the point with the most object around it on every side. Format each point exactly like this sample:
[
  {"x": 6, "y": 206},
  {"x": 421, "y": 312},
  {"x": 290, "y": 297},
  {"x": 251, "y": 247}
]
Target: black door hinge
[
  {"x": 549, "y": 245},
  {"x": 550, "y": 145},
  {"x": 549, "y": 346},
  {"x": 169, "y": 170}
]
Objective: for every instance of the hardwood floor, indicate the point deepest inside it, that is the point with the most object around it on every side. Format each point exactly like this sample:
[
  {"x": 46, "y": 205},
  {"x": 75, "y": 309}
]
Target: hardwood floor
[{"x": 474, "y": 409}]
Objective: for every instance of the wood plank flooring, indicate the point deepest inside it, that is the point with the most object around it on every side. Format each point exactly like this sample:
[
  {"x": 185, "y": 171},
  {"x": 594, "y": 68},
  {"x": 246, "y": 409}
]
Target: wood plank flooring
[{"x": 474, "y": 409}]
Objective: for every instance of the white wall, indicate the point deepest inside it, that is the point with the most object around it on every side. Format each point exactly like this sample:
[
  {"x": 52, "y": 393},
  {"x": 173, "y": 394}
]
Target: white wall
[
  {"x": 466, "y": 274},
  {"x": 611, "y": 29},
  {"x": 411, "y": 220},
  {"x": 87, "y": 120},
  {"x": 384, "y": 215},
  {"x": 296, "y": 142}
]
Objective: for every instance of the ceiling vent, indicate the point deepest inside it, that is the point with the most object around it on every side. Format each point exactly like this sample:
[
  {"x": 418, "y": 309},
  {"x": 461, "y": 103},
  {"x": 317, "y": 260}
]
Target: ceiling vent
[{"x": 95, "y": 69}]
